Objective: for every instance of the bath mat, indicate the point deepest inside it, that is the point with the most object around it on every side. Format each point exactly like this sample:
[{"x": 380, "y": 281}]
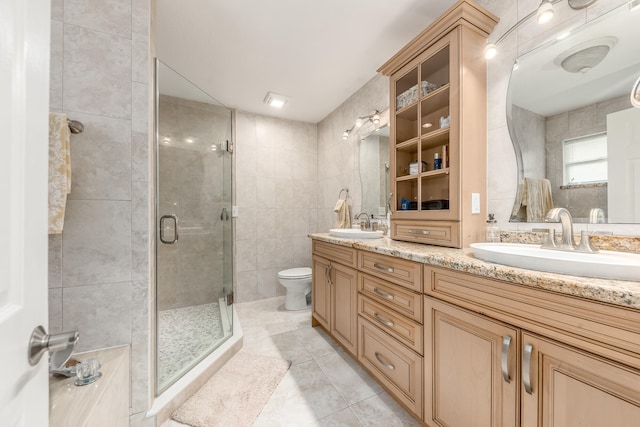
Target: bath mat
[{"x": 235, "y": 395}]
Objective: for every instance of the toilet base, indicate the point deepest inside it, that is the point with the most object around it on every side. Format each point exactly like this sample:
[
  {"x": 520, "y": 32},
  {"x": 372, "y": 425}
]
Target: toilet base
[{"x": 296, "y": 300}]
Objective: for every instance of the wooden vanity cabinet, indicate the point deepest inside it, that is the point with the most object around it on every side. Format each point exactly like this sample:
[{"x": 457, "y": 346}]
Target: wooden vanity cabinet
[
  {"x": 513, "y": 365},
  {"x": 334, "y": 292},
  {"x": 438, "y": 109},
  {"x": 390, "y": 332}
]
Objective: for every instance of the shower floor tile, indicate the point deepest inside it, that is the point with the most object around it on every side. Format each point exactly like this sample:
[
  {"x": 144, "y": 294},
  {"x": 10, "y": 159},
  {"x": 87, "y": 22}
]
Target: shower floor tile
[{"x": 185, "y": 335}]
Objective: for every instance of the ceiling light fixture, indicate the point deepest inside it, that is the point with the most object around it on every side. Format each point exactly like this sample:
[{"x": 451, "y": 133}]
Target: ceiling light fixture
[
  {"x": 374, "y": 118},
  {"x": 275, "y": 100}
]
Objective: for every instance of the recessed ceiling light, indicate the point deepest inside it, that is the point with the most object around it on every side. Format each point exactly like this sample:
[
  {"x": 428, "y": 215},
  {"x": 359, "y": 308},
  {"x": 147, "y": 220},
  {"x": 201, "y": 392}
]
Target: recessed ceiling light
[
  {"x": 275, "y": 100},
  {"x": 189, "y": 140}
]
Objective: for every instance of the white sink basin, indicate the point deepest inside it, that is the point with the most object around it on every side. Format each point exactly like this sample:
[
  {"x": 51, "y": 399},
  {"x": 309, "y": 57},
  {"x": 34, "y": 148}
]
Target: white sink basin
[
  {"x": 604, "y": 264},
  {"x": 355, "y": 233}
]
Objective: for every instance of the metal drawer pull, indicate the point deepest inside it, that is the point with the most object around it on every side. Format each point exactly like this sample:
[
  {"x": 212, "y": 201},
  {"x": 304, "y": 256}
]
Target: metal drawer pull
[
  {"x": 384, "y": 321},
  {"x": 163, "y": 218},
  {"x": 506, "y": 343},
  {"x": 383, "y": 267},
  {"x": 526, "y": 368},
  {"x": 414, "y": 231},
  {"x": 383, "y": 294},
  {"x": 329, "y": 269},
  {"x": 385, "y": 364}
]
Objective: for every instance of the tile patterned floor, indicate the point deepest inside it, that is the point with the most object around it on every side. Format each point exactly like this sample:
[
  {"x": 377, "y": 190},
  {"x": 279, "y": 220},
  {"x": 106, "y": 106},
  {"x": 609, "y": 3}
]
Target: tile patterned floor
[
  {"x": 325, "y": 386},
  {"x": 185, "y": 335}
]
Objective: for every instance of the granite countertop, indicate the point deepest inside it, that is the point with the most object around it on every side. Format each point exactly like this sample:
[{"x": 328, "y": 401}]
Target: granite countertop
[{"x": 623, "y": 293}]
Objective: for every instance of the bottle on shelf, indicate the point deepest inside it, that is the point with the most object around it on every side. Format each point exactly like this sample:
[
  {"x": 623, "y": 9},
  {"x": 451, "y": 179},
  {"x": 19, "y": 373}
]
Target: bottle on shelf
[{"x": 437, "y": 161}]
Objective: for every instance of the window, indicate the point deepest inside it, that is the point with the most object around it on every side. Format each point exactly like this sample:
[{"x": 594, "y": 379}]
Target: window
[{"x": 585, "y": 159}]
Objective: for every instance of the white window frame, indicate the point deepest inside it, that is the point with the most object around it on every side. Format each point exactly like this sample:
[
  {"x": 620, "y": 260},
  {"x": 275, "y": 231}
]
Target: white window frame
[{"x": 595, "y": 160}]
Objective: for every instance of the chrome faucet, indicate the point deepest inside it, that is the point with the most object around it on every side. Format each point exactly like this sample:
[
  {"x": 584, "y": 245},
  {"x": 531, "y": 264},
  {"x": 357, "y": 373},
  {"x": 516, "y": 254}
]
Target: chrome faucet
[
  {"x": 367, "y": 223},
  {"x": 564, "y": 217}
]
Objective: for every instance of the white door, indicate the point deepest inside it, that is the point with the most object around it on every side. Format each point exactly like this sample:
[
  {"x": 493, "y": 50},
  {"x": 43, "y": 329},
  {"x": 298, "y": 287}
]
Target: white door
[{"x": 24, "y": 99}]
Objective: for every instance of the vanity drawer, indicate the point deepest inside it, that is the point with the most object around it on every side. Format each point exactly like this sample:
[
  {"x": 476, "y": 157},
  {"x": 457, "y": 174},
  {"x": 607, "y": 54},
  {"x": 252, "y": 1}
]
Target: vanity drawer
[
  {"x": 395, "y": 297},
  {"x": 394, "y": 365},
  {"x": 443, "y": 233},
  {"x": 404, "y": 330},
  {"x": 399, "y": 271},
  {"x": 336, "y": 253}
]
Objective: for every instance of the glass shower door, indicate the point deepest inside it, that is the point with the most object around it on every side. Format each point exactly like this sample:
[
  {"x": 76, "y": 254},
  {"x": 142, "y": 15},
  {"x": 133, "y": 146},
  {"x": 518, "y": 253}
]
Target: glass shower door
[{"x": 194, "y": 235}]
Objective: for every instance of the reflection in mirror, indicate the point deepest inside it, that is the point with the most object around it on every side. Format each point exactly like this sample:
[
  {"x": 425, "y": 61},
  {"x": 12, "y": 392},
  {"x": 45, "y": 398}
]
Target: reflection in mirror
[
  {"x": 575, "y": 133},
  {"x": 374, "y": 171}
]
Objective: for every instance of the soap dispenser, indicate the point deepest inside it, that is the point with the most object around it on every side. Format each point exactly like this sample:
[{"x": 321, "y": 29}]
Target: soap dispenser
[{"x": 493, "y": 232}]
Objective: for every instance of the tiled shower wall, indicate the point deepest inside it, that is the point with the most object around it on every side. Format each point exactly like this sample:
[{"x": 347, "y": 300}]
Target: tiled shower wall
[
  {"x": 276, "y": 194},
  {"x": 190, "y": 176},
  {"x": 99, "y": 277}
]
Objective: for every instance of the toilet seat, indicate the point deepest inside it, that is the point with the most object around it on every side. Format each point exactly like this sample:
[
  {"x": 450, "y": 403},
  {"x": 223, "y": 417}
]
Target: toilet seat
[{"x": 295, "y": 273}]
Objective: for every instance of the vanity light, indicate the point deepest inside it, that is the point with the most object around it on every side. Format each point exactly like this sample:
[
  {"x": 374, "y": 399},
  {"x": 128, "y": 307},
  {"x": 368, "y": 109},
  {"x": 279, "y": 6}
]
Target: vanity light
[
  {"x": 490, "y": 51},
  {"x": 373, "y": 118},
  {"x": 545, "y": 12},
  {"x": 275, "y": 100}
]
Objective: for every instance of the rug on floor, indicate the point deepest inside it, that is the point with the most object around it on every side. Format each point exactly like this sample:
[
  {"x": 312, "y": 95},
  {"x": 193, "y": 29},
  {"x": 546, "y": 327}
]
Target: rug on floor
[{"x": 236, "y": 394}]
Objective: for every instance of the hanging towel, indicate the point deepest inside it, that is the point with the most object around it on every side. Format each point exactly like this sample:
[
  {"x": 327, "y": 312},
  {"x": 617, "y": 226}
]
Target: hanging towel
[
  {"x": 59, "y": 170},
  {"x": 535, "y": 195},
  {"x": 344, "y": 215}
]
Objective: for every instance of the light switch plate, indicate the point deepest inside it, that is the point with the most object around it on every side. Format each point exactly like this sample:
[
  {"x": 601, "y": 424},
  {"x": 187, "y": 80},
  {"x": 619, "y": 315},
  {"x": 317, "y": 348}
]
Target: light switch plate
[
  {"x": 475, "y": 203},
  {"x": 234, "y": 211}
]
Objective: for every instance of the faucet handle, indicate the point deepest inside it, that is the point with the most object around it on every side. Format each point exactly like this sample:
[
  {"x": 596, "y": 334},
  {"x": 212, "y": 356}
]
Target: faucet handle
[
  {"x": 550, "y": 242},
  {"x": 585, "y": 244}
]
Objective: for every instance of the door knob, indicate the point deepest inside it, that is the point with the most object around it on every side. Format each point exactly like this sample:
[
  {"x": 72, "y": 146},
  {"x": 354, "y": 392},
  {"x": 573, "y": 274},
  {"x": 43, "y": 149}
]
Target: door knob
[{"x": 60, "y": 345}]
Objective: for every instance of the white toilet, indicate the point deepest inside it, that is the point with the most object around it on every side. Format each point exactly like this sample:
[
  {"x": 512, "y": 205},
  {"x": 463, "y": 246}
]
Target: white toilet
[{"x": 297, "y": 281}]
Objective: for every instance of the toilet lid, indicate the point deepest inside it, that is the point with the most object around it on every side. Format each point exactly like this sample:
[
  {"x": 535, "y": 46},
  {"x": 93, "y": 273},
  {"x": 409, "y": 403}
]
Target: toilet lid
[{"x": 295, "y": 273}]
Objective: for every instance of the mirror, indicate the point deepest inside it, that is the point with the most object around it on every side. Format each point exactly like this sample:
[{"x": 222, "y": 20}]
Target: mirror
[
  {"x": 574, "y": 130},
  {"x": 374, "y": 171}
]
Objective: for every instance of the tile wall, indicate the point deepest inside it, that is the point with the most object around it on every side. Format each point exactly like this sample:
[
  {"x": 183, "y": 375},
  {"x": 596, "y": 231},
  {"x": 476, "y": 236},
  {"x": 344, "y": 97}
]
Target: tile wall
[
  {"x": 191, "y": 187},
  {"x": 338, "y": 160},
  {"x": 99, "y": 267},
  {"x": 276, "y": 194}
]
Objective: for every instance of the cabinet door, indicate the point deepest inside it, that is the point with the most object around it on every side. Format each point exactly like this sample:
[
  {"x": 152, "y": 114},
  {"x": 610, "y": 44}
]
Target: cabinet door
[
  {"x": 344, "y": 306},
  {"x": 321, "y": 291},
  {"x": 565, "y": 387},
  {"x": 466, "y": 361}
]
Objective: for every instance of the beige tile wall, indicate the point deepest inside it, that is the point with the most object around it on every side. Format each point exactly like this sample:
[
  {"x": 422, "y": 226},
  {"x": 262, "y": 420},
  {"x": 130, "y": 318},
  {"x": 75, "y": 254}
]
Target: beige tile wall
[
  {"x": 99, "y": 280},
  {"x": 276, "y": 195},
  {"x": 338, "y": 160}
]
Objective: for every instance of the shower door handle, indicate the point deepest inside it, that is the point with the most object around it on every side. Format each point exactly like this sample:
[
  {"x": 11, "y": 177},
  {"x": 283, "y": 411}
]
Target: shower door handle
[{"x": 163, "y": 218}]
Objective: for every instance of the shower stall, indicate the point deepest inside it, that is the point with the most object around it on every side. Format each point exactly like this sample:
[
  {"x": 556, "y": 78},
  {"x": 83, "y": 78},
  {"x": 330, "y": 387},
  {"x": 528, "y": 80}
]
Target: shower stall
[{"x": 194, "y": 284}]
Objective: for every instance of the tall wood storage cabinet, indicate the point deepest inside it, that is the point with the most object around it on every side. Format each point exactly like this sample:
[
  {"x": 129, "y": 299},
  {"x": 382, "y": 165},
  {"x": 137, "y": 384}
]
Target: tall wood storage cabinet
[{"x": 438, "y": 130}]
